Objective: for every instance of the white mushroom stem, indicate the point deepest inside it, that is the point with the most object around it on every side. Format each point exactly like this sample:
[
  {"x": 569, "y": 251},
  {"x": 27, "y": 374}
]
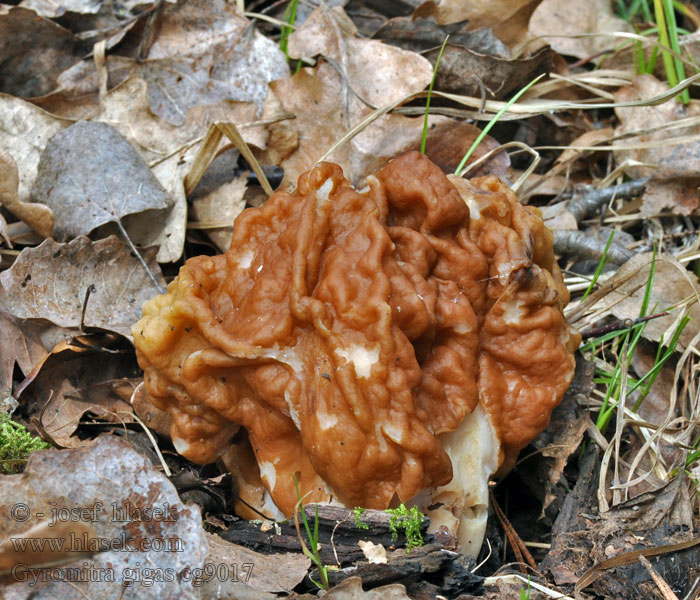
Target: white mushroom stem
[{"x": 474, "y": 451}]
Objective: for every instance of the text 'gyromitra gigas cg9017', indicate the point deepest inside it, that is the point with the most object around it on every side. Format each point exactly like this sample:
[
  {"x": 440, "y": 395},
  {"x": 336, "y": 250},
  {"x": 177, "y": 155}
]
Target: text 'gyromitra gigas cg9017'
[{"x": 401, "y": 343}]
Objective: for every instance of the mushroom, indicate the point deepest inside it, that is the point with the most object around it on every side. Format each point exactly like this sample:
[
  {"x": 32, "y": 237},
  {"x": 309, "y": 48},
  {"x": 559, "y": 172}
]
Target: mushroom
[{"x": 400, "y": 343}]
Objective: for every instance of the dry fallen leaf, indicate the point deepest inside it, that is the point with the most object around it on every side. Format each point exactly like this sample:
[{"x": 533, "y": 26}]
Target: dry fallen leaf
[
  {"x": 22, "y": 347},
  {"x": 463, "y": 71},
  {"x": 79, "y": 377},
  {"x": 623, "y": 294},
  {"x": 674, "y": 167},
  {"x": 447, "y": 143},
  {"x": 31, "y": 44},
  {"x": 216, "y": 211},
  {"x": 19, "y": 560},
  {"x": 89, "y": 175},
  {"x": 24, "y": 132},
  {"x": 425, "y": 34},
  {"x": 207, "y": 51},
  {"x": 77, "y": 93},
  {"x": 479, "y": 13},
  {"x": 150, "y": 537},
  {"x": 351, "y": 589},
  {"x": 170, "y": 151},
  {"x": 557, "y": 19},
  {"x": 331, "y": 98},
  {"x": 266, "y": 572},
  {"x": 50, "y": 281}
]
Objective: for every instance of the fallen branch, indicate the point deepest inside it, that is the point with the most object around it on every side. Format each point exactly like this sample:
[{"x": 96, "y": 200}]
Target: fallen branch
[
  {"x": 584, "y": 246},
  {"x": 590, "y": 203}
]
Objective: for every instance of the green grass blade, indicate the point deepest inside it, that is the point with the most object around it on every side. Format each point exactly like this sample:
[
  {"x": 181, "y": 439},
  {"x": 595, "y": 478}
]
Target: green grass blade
[
  {"x": 493, "y": 121},
  {"x": 622, "y": 10},
  {"x": 651, "y": 65},
  {"x": 290, "y": 17},
  {"x": 669, "y": 64},
  {"x": 650, "y": 376},
  {"x": 601, "y": 265},
  {"x": 424, "y": 137},
  {"x": 675, "y": 46},
  {"x": 650, "y": 284}
]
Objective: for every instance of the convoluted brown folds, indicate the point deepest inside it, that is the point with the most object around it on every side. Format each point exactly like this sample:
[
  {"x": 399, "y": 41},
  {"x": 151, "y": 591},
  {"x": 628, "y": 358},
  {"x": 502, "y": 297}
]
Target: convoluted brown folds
[{"x": 356, "y": 335}]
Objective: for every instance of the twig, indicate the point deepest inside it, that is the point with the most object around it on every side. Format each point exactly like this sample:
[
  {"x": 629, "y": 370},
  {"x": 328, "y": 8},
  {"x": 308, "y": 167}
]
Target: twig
[
  {"x": 583, "y": 245},
  {"x": 590, "y": 202},
  {"x": 627, "y": 558},
  {"x": 91, "y": 289},
  {"x": 140, "y": 258},
  {"x": 664, "y": 588},
  {"x": 620, "y": 324},
  {"x": 521, "y": 552},
  {"x": 147, "y": 431}
]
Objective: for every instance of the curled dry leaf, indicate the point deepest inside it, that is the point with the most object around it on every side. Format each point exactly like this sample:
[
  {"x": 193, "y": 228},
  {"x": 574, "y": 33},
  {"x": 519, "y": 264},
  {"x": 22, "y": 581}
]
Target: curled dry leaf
[
  {"x": 21, "y": 346},
  {"x": 473, "y": 63},
  {"x": 77, "y": 93},
  {"x": 16, "y": 558},
  {"x": 479, "y": 13},
  {"x": 463, "y": 71},
  {"x": 425, "y": 34},
  {"x": 90, "y": 175},
  {"x": 38, "y": 216},
  {"x": 85, "y": 375},
  {"x": 674, "y": 167},
  {"x": 508, "y": 18},
  {"x": 50, "y": 281},
  {"x": 137, "y": 515},
  {"x": 556, "y": 20},
  {"x": 330, "y": 99}
]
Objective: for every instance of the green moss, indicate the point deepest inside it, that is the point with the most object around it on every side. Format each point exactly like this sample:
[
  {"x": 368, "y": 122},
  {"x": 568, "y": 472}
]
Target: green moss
[
  {"x": 358, "y": 511},
  {"x": 410, "y": 520},
  {"x": 16, "y": 443}
]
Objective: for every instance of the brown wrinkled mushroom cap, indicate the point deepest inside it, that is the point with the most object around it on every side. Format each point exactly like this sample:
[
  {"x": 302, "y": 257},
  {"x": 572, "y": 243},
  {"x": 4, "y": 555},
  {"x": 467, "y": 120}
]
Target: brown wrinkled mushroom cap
[{"x": 348, "y": 332}]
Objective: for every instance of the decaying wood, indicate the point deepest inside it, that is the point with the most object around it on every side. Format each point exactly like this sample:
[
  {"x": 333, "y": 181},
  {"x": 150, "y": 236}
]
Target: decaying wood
[
  {"x": 450, "y": 573},
  {"x": 338, "y": 533}
]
